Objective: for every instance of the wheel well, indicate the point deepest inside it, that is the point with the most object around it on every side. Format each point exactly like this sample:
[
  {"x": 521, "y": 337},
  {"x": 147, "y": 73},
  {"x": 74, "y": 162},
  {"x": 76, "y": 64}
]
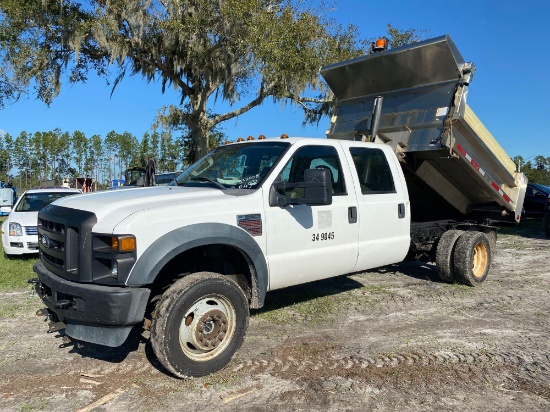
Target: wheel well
[{"x": 218, "y": 258}]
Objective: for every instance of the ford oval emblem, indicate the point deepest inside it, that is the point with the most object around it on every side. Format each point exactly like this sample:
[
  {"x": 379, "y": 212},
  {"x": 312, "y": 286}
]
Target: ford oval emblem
[{"x": 46, "y": 242}]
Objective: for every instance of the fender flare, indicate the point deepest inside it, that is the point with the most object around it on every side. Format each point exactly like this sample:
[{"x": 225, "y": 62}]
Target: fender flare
[{"x": 184, "y": 238}]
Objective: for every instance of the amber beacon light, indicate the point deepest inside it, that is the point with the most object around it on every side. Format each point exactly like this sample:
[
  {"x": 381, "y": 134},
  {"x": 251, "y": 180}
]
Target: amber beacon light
[{"x": 379, "y": 45}]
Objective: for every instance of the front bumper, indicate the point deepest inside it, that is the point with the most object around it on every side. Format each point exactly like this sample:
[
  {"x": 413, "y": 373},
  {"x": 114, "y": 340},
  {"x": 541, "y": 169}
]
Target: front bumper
[
  {"x": 20, "y": 245},
  {"x": 98, "y": 314}
]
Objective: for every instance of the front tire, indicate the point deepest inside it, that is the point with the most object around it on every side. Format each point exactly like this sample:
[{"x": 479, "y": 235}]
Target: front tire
[
  {"x": 472, "y": 258},
  {"x": 199, "y": 324}
]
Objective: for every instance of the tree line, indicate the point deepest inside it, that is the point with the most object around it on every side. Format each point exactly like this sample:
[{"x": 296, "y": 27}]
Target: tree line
[
  {"x": 29, "y": 159},
  {"x": 536, "y": 170}
]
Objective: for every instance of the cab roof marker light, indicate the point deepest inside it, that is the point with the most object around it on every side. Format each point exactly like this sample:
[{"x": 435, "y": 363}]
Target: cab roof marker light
[
  {"x": 240, "y": 139},
  {"x": 250, "y": 138},
  {"x": 284, "y": 136}
]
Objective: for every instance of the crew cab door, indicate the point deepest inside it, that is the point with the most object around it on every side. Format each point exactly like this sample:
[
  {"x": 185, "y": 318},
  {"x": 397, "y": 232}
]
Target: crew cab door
[
  {"x": 306, "y": 243},
  {"x": 383, "y": 205}
]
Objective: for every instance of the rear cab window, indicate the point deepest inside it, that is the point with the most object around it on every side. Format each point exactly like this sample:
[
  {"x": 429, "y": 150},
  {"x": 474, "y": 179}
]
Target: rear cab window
[{"x": 373, "y": 170}]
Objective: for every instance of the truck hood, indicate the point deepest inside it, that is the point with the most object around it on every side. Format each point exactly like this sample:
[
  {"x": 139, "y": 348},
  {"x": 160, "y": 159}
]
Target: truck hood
[{"x": 117, "y": 205}]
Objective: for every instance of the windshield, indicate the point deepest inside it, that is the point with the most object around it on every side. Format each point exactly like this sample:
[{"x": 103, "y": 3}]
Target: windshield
[
  {"x": 239, "y": 166},
  {"x": 33, "y": 202}
]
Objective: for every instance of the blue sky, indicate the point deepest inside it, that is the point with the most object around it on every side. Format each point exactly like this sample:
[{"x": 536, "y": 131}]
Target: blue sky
[{"x": 508, "y": 41}]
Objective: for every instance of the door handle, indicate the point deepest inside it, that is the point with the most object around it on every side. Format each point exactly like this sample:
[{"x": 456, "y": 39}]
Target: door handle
[
  {"x": 401, "y": 210},
  {"x": 352, "y": 214}
]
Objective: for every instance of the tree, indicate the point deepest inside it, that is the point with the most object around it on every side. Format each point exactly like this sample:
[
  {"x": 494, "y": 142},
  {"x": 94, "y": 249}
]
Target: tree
[
  {"x": 518, "y": 160},
  {"x": 4, "y": 159},
  {"x": 128, "y": 149},
  {"x": 21, "y": 153},
  {"x": 540, "y": 162},
  {"x": 171, "y": 153},
  {"x": 95, "y": 156},
  {"x": 240, "y": 51},
  {"x": 80, "y": 147},
  {"x": 537, "y": 172},
  {"x": 399, "y": 38},
  {"x": 6, "y": 156}
]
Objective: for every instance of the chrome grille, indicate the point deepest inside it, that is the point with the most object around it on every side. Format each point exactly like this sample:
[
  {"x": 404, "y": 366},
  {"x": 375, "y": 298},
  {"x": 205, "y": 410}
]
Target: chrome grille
[{"x": 31, "y": 230}]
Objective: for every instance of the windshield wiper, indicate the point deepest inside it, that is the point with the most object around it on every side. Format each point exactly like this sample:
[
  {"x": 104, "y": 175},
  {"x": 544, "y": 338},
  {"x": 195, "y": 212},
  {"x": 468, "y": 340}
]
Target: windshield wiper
[{"x": 210, "y": 180}]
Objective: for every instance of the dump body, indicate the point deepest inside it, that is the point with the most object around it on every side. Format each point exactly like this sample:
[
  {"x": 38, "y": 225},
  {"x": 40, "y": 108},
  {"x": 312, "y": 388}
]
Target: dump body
[{"x": 414, "y": 99}]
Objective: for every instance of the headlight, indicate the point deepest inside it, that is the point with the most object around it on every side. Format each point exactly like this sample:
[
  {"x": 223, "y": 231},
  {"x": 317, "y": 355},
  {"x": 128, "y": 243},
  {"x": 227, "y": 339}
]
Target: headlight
[
  {"x": 113, "y": 258},
  {"x": 16, "y": 229}
]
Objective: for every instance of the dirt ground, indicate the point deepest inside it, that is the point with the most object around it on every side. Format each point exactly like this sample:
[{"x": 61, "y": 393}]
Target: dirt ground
[{"x": 389, "y": 339}]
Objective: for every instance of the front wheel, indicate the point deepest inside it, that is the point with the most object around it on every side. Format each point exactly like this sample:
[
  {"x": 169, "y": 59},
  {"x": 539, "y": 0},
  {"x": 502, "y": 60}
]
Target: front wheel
[
  {"x": 472, "y": 258},
  {"x": 199, "y": 324}
]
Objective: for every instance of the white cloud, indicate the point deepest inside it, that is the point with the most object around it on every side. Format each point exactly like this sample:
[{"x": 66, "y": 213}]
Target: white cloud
[{"x": 2, "y": 132}]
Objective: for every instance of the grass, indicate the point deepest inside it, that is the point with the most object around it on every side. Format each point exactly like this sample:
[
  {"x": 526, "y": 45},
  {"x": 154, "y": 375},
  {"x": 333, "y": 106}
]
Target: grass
[
  {"x": 318, "y": 302},
  {"x": 14, "y": 272},
  {"x": 314, "y": 309}
]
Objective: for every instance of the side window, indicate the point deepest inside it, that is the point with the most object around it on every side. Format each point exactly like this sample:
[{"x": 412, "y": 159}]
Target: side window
[
  {"x": 314, "y": 157},
  {"x": 373, "y": 170}
]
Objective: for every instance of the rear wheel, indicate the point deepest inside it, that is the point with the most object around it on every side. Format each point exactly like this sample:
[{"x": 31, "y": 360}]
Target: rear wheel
[
  {"x": 472, "y": 258},
  {"x": 199, "y": 324},
  {"x": 444, "y": 255}
]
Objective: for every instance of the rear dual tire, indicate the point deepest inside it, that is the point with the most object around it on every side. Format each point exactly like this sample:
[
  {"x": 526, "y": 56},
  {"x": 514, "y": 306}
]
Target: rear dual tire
[
  {"x": 465, "y": 257},
  {"x": 472, "y": 258},
  {"x": 444, "y": 256}
]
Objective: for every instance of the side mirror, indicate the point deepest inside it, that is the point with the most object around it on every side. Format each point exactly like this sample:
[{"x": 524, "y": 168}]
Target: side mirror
[{"x": 317, "y": 190}]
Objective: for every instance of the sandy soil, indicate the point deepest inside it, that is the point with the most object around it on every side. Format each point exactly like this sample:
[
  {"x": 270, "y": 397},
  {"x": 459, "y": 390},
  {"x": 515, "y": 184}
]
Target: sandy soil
[{"x": 388, "y": 339}]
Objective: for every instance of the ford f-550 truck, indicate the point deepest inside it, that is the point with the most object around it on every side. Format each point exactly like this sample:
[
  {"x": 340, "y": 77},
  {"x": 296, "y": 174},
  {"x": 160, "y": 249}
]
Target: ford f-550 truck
[{"x": 260, "y": 215}]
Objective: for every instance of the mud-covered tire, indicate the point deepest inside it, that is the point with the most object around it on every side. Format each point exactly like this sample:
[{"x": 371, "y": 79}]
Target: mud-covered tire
[
  {"x": 472, "y": 258},
  {"x": 444, "y": 255},
  {"x": 199, "y": 324}
]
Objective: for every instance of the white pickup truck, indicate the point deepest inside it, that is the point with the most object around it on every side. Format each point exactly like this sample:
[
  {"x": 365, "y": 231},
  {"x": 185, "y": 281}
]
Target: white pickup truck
[{"x": 259, "y": 215}]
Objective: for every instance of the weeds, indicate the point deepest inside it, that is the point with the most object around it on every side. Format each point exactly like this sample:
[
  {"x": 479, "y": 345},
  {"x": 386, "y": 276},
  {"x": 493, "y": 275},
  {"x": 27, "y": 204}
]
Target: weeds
[
  {"x": 15, "y": 272},
  {"x": 13, "y": 306}
]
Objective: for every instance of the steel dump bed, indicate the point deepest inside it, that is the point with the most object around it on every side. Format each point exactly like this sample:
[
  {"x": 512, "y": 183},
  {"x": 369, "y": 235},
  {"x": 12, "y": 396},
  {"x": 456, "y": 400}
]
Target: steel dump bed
[{"x": 414, "y": 99}]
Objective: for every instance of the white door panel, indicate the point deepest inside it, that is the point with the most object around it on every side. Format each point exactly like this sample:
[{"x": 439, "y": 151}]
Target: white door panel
[
  {"x": 307, "y": 243},
  {"x": 383, "y": 237},
  {"x": 383, "y": 206}
]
